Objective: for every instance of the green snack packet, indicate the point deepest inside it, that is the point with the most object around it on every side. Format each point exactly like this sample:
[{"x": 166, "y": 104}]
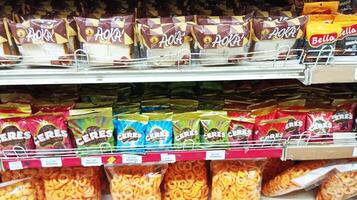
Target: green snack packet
[
  {"x": 186, "y": 128},
  {"x": 214, "y": 128},
  {"x": 92, "y": 128}
]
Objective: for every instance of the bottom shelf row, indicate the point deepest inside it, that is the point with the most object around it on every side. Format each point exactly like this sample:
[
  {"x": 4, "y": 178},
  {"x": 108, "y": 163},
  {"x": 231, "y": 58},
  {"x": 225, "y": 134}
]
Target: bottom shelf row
[{"x": 215, "y": 180}]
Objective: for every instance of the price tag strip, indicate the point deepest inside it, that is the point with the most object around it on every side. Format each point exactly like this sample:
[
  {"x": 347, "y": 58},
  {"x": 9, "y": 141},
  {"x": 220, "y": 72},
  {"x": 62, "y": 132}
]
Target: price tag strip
[
  {"x": 168, "y": 158},
  {"x": 15, "y": 165},
  {"x": 216, "y": 155},
  {"x": 51, "y": 162},
  {"x": 91, "y": 161},
  {"x": 132, "y": 159}
]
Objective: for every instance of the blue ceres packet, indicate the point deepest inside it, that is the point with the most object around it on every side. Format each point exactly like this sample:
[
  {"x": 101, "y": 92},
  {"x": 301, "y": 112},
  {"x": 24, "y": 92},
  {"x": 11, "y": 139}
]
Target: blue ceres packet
[
  {"x": 130, "y": 132},
  {"x": 159, "y": 131}
]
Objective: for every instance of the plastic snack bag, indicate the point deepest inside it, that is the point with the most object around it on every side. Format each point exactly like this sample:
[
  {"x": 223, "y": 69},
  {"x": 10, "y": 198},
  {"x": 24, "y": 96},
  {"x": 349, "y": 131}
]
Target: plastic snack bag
[
  {"x": 186, "y": 128},
  {"x": 159, "y": 131},
  {"x": 93, "y": 129},
  {"x": 17, "y": 189},
  {"x": 140, "y": 182},
  {"x": 214, "y": 128},
  {"x": 130, "y": 131},
  {"x": 273, "y": 167},
  {"x": 284, "y": 182},
  {"x": 186, "y": 180},
  {"x": 319, "y": 123},
  {"x": 296, "y": 122},
  {"x": 343, "y": 117},
  {"x": 36, "y": 180},
  {"x": 72, "y": 183},
  {"x": 241, "y": 127},
  {"x": 236, "y": 179}
]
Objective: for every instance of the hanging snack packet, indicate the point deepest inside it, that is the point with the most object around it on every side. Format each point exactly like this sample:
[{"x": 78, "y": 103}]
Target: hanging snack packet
[
  {"x": 296, "y": 122},
  {"x": 158, "y": 131},
  {"x": 42, "y": 41},
  {"x": 271, "y": 131},
  {"x": 343, "y": 117},
  {"x": 346, "y": 44},
  {"x": 166, "y": 44},
  {"x": 214, "y": 128},
  {"x": 319, "y": 123},
  {"x": 49, "y": 131},
  {"x": 186, "y": 129},
  {"x": 280, "y": 36},
  {"x": 326, "y": 7},
  {"x": 106, "y": 40},
  {"x": 240, "y": 129},
  {"x": 130, "y": 131},
  {"x": 6, "y": 44},
  {"x": 92, "y": 127}
]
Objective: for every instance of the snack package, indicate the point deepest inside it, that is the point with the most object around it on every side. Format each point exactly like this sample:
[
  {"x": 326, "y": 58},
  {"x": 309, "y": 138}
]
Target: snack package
[
  {"x": 241, "y": 128},
  {"x": 17, "y": 189},
  {"x": 50, "y": 107},
  {"x": 49, "y": 131},
  {"x": 15, "y": 135},
  {"x": 222, "y": 43},
  {"x": 346, "y": 44},
  {"x": 166, "y": 44},
  {"x": 236, "y": 179},
  {"x": 321, "y": 7},
  {"x": 296, "y": 122},
  {"x": 280, "y": 36},
  {"x": 106, "y": 40},
  {"x": 269, "y": 131},
  {"x": 319, "y": 123},
  {"x": 72, "y": 182},
  {"x": 338, "y": 186},
  {"x": 92, "y": 128},
  {"x": 284, "y": 182},
  {"x": 42, "y": 41},
  {"x": 343, "y": 117},
  {"x": 140, "y": 182},
  {"x": 214, "y": 129},
  {"x": 186, "y": 180},
  {"x": 275, "y": 166},
  {"x": 130, "y": 130},
  {"x": 5, "y": 41},
  {"x": 186, "y": 129},
  {"x": 158, "y": 132},
  {"x": 36, "y": 180}
]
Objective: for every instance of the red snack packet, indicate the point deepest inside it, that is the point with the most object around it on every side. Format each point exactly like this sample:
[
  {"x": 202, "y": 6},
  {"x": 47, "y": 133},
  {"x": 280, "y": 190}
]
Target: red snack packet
[
  {"x": 14, "y": 134},
  {"x": 49, "y": 131},
  {"x": 343, "y": 117},
  {"x": 241, "y": 127},
  {"x": 270, "y": 130},
  {"x": 296, "y": 122},
  {"x": 319, "y": 123},
  {"x": 53, "y": 108}
]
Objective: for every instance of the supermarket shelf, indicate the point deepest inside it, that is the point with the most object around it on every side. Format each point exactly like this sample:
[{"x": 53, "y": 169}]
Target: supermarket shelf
[
  {"x": 330, "y": 74},
  {"x": 115, "y": 158},
  {"x": 194, "y": 73}
]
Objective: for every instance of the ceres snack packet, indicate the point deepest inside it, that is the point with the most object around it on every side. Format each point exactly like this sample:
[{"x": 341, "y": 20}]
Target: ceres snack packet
[
  {"x": 270, "y": 131},
  {"x": 92, "y": 127},
  {"x": 296, "y": 122},
  {"x": 214, "y": 128},
  {"x": 276, "y": 35},
  {"x": 241, "y": 127},
  {"x": 107, "y": 40},
  {"x": 49, "y": 131},
  {"x": 186, "y": 129},
  {"x": 42, "y": 41},
  {"x": 130, "y": 131},
  {"x": 319, "y": 123},
  {"x": 343, "y": 117},
  {"x": 159, "y": 131}
]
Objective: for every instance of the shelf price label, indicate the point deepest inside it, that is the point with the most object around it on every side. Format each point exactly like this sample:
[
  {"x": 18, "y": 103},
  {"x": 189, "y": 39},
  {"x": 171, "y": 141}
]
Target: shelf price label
[
  {"x": 51, "y": 162},
  {"x": 15, "y": 165},
  {"x": 91, "y": 161},
  {"x": 354, "y": 152},
  {"x": 216, "y": 155},
  {"x": 168, "y": 158},
  {"x": 132, "y": 159}
]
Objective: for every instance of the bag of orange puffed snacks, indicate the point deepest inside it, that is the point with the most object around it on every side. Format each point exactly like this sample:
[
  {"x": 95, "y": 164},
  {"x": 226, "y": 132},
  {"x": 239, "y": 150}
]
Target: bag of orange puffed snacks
[
  {"x": 17, "y": 189},
  {"x": 72, "y": 183},
  {"x": 36, "y": 180},
  {"x": 139, "y": 182},
  {"x": 236, "y": 179},
  {"x": 186, "y": 180}
]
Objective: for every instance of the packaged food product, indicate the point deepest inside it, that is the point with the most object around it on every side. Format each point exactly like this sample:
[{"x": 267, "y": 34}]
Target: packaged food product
[
  {"x": 319, "y": 123},
  {"x": 107, "y": 40},
  {"x": 241, "y": 127},
  {"x": 36, "y": 180},
  {"x": 49, "y": 131},
  {"x": 186, "y": 129},
  {"x": 270, "y": 131},
  {"x": 154, "y": 21},
  {"x": 140, "y": 182},
  {"x": 215, "y": 20},
  {"x": 222, "y": 43},
  {"x": 283, "y": 183},
  {"x": 279, "y": 36},
  {"x": 52, "y": 107},
  {"x": 321, "y": 7},
  {"x": 214, "y": 129},
  {"x": 17, "y": 189},
  {"x": 346, "y": 44},
  {"x": 296, "y": 122},
  {"x": 236, "y": 179},
  {"x": 273, "y": 167},
  {"x": 42, "y": 41},
  {"x": 130, "y": 131},
  {"x": 72, "y": 182},
  {"x": 158, "y": 132},
  {"x": 7, "y": 48},
  {"x": 93, "y": 129},
  {"x": 166, "y": 44},
  {"x": 186, "y": 180},
  {"x": 343, "y": 117}
]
